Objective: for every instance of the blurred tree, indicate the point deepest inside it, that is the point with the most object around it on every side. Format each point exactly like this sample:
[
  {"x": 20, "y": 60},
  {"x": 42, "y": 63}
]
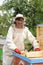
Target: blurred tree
[
  {"x": 4, "y": 24},
  {"x": 32, "y": 9}
]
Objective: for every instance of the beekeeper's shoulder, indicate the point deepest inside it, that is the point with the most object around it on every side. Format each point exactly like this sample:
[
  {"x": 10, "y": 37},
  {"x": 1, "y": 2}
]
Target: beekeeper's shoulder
[
  {"x": 26, "y": 28},
  {"x": 11, "y": 28}
]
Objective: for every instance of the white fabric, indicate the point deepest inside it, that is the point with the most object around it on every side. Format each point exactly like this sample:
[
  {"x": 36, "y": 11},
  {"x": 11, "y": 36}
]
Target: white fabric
[
  {"x": 19, "y": 15},
  {"x": 7, "y": 60},
  {"x": 15, "y": 39}
]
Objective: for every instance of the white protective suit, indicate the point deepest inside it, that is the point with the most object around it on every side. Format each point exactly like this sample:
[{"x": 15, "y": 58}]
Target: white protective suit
[{"x": 15, "y": 39}]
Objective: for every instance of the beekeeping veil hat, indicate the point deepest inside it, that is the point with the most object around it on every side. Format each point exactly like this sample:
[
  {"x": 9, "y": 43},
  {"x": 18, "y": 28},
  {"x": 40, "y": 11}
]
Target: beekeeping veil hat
[{"x": 19, "y": 16}]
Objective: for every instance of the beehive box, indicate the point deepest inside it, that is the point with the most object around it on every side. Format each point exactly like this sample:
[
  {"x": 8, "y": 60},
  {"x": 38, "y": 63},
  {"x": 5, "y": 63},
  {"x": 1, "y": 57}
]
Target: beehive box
[
  {"x": 22, "y": 60},
  {"x": 40, "y": 35}
]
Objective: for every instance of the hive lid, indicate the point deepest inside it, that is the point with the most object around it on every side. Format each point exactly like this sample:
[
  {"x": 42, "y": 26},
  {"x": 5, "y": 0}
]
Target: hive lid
[{"x": 40, "y": 25}]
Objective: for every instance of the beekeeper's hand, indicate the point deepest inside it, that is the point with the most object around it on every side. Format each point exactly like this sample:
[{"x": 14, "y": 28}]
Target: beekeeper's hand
[
  {"x": 37, "y": 49},
  {"x": 17, "y": 51}
]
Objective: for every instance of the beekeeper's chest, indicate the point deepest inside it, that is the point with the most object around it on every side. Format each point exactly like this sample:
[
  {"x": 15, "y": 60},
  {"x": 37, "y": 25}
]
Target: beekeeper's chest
[{"x": 19, "y": 34}]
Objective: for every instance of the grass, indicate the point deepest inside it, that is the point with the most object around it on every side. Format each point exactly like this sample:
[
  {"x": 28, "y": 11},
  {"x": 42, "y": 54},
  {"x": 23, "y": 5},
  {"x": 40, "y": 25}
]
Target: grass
[{"x": 0, "y": 54}]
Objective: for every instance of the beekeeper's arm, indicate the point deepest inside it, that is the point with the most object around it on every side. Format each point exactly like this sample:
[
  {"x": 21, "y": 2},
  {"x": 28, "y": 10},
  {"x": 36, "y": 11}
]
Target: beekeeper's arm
[
  {"x": 32, "y": 40},
  {"x": 10, "y": 42}
]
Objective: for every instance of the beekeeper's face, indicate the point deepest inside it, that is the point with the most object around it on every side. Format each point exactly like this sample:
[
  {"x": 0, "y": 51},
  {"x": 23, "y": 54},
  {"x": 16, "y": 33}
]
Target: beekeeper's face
[{"x": 19, "y": 22}]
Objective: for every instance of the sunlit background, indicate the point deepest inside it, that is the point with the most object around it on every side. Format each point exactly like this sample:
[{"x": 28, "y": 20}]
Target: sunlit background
[{"x": 31, "y": 9}]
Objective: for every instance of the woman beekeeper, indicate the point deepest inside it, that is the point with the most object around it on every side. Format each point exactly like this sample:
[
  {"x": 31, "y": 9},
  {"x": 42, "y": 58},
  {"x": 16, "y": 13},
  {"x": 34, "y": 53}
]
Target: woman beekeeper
[{"x": 15, "y": 39}]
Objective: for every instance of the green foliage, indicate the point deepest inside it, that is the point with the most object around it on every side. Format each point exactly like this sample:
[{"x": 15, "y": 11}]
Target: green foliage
[
  {"x": 4, "y": 24},
  {"x": 32, "y": 10},
  {"x": 1, "y": 54},
  {"x": 28, "y": 45}
]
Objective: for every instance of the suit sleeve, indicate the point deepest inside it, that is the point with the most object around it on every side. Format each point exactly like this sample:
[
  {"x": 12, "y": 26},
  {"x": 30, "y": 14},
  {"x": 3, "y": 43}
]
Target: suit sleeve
[
  {"x": 9, "y": 39},
  {"x": 32, "y": 39}
]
